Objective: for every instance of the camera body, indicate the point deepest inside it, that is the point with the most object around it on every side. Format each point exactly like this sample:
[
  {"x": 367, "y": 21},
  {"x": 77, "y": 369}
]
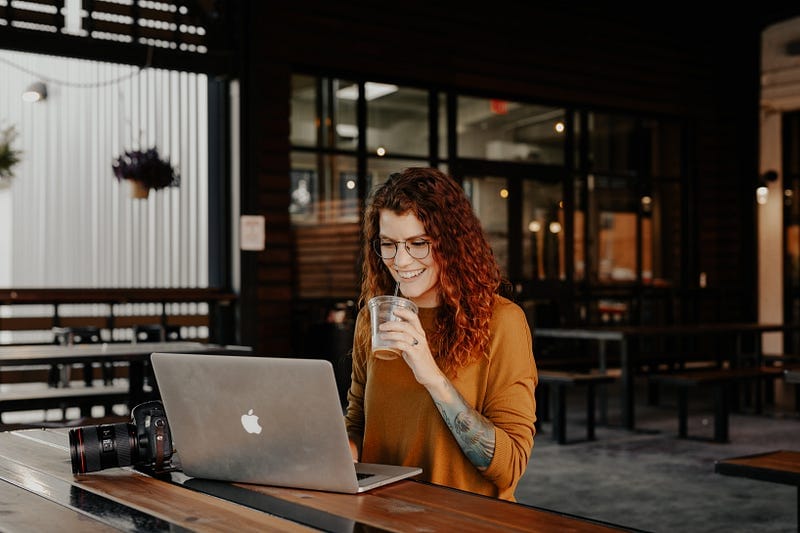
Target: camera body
[{"x": 145, "y": 441}]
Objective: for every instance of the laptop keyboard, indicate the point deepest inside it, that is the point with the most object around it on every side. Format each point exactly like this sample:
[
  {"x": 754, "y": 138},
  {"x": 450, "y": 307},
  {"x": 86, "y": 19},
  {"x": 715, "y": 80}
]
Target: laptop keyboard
[{"x": 362, "y": 475}]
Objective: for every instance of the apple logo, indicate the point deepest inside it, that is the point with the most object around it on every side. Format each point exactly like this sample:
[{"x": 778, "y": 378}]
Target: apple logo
[{"x": 250, "y": 422}]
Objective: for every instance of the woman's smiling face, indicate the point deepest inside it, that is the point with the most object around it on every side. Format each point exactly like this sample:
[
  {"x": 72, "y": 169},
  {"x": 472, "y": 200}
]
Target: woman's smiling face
[{"x": 418, "y": 278}]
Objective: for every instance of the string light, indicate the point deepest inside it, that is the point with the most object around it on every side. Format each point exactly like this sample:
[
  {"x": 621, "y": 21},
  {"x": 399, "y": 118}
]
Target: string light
[{"x": 64, "y": 83}]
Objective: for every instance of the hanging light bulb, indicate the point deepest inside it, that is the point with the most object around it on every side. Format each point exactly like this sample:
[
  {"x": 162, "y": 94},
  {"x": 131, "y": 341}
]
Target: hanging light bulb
[{"x": 762, "y": 195}]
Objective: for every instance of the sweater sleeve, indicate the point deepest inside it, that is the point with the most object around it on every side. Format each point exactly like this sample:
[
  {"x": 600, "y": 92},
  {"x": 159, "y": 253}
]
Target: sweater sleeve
[
  {"x": 510, "y": 404},
  {"x": 354, "y": 417}
]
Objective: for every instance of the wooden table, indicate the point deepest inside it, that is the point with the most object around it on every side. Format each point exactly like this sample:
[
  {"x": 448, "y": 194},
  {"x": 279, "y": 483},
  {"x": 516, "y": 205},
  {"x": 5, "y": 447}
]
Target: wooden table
[
  {"x": 37, "y": 487},
  {"x": 781, "y": 466},
  {"x": 624, "y": 335},
  {"x": 136, "y": 354}
]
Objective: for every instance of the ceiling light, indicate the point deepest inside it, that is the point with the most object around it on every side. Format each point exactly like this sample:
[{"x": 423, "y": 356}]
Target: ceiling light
[
  {"x": 35, "y": 92},
  {"x": 347, "y": 131},
  {"x": 372, "y": 91}
]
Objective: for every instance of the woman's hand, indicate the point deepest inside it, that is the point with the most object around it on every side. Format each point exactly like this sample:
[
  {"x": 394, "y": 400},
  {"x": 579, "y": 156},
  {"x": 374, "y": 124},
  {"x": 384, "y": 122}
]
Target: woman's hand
[{"x": 409, "y": 337}]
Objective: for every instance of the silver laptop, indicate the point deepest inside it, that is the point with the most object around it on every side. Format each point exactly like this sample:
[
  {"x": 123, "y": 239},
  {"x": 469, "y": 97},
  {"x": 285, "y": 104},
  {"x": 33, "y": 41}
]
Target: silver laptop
[{"x": 264, "y": 420}]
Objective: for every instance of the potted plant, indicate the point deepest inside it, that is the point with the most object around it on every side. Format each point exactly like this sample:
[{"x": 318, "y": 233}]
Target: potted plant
[
  {"x": 145, "y": 170},
  {"x": 8, "y": 156}
]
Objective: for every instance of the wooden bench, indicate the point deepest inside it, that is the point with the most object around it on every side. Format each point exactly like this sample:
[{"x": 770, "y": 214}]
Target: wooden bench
[
  {"x": 559, "y": 381},
  {"x": 720, "y": 380},
  {"x": 116, "y": 313},
  {"x": 60, "y": 398}
]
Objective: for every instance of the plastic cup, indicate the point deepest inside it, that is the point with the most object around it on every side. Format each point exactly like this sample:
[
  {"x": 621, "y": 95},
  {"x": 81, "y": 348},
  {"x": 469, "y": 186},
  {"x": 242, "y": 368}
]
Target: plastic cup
[{"x": 381, "y": 309}]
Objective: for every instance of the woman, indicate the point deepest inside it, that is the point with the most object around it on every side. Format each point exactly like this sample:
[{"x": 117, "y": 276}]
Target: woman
[{"x": 460, "y": 401}]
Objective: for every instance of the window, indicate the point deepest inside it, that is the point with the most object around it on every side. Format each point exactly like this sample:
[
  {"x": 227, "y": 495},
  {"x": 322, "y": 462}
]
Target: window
[
  {"x": 543, "y": 230},
  {"x": 328, "y": 149},
  {"x": 397, "y": 120},
  {"x": 490, "y": 197},
  {"x": 606, "y": 213},
  {"x": 500, "y": 130}
]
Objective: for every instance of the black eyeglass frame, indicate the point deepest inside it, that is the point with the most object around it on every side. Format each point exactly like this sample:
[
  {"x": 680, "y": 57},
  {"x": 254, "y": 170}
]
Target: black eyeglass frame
[{"x": 377, "y": 245}]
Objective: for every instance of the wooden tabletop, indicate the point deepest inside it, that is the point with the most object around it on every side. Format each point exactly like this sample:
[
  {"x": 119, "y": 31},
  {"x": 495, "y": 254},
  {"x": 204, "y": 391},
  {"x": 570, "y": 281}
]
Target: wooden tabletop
[
  {"x": 37, "y": 487},
  {"x": 782, "y": 466}
]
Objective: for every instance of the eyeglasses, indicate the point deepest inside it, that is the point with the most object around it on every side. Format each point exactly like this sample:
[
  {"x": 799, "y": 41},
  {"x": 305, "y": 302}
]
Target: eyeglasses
[{"x": 418, "y": 248}]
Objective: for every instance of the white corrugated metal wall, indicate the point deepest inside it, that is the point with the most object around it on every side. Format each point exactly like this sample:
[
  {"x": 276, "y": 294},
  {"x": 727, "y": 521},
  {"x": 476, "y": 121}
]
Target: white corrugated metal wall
[{"x": 68, "y": 221}]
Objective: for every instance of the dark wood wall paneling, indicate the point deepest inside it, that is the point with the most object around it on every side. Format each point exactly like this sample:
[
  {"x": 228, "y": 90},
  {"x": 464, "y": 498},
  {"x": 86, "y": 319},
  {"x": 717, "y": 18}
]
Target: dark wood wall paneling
[
  {"x": 266, "y": 276},
  {"x": 699, "y": 68}
]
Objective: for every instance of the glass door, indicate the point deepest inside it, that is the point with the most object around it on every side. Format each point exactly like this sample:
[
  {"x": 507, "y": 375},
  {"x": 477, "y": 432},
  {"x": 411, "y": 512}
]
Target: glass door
[{"x": 523, "y": 214}]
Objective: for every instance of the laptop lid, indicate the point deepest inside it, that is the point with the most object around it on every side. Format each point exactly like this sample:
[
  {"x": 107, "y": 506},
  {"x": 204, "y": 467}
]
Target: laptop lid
[{"x": 264, "y": 420}]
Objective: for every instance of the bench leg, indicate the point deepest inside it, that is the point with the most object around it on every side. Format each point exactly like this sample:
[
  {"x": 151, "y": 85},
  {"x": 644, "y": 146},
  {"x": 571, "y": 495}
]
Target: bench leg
[
  {"x": 797, "y": 405},
  {"x": 590, "y": 411},
  {"x": 683, "y": 412},
  {"x": 545, "y": 400},
  {"x": 88, "y": 374},
  {"x": 560, "y": 417},
  {"x": 759, "y": 388},
  {"x": 652, "y": 393},
  {"x": 769, "y": 392},
  {"x": 541, "y": 395},
  {"x": 108, "y": 373},
  {"x": 721, "y": 409},
  {"x": 53, "y": 376}
]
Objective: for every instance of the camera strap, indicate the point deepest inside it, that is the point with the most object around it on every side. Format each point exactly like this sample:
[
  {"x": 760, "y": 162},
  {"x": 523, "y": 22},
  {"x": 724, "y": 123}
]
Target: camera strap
[{"x": 160, "y": 442}]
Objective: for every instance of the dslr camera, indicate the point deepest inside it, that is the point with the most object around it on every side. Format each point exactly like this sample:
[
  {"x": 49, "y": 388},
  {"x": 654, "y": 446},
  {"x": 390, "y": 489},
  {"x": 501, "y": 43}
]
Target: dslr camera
[{"x": 145, "y": 441}]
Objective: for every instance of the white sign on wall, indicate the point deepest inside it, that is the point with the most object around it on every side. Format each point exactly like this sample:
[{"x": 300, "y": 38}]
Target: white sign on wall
[{"x": 253, "y": 232}]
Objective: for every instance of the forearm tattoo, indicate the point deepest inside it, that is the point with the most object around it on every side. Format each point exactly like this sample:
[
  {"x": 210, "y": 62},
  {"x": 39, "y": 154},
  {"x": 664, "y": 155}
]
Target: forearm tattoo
[{"x": 473, "y": 431}]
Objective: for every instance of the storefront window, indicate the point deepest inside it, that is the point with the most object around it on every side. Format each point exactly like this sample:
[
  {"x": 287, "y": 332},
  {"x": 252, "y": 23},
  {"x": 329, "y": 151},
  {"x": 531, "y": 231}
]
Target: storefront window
[
  {"x": 397, "y": 120},
  {"x": 543, "y": 231},
  {"x": 379, "y": 169},
  {"x": 501, "y": 130},
  {"x": 665, "y": 147},
  {"x": 613, "y": 207},
  {"x": 489, "y": 197},
  {"x": 579, "y": 231},
  {"x": 323, "y": 113},
  {"x": 621, "y": 223},
  {"x": 324, "y": 188},
  {"x": 304, "y": 121},
  {"x": 611, "y": 144}
]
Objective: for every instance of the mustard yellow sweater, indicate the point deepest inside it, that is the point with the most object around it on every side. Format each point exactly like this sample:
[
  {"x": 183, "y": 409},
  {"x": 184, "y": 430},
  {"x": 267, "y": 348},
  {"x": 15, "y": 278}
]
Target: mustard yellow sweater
[{"x": 397, "y": 422}]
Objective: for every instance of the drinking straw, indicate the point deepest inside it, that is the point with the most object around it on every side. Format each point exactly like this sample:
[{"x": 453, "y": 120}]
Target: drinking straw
[{"x": 396, "y": 288}]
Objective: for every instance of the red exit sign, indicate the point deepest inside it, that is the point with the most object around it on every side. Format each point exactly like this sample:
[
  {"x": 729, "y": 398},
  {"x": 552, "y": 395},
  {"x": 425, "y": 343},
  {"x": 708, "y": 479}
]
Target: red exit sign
[{"x": 498, "y": 107}]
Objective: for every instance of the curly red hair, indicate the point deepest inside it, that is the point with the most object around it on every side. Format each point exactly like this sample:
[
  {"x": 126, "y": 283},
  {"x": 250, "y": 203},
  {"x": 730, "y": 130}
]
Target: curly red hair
[{"x": 469, "y": 276}]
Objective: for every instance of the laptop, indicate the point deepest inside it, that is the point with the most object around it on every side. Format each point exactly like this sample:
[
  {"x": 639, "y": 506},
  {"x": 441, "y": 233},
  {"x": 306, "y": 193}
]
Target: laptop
[{"x": 263, "y": 420}]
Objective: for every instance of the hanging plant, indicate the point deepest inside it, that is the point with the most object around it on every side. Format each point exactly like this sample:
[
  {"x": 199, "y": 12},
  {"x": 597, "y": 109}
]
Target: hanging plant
[
  {"x": 8, "y": 156},
  {"x": 145, "y": 170}
]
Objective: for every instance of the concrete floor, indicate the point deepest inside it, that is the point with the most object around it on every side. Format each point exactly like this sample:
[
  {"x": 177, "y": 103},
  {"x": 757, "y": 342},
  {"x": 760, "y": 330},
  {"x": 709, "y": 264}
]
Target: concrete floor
[{"x": 651, "y": 480}]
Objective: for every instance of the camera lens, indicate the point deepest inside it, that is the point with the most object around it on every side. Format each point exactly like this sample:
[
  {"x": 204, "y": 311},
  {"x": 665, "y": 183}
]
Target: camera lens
[{"x": 93, "y": 448}]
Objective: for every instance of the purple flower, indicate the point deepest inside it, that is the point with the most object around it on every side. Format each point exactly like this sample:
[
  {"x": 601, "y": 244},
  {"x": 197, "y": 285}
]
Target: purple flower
[{"x": 145, "y": 167}]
